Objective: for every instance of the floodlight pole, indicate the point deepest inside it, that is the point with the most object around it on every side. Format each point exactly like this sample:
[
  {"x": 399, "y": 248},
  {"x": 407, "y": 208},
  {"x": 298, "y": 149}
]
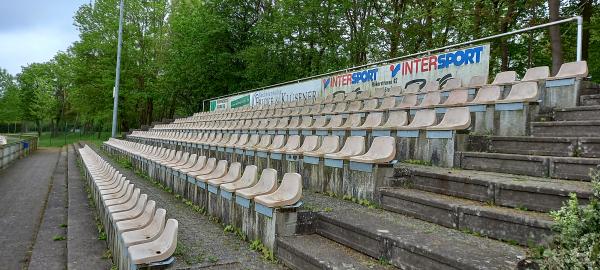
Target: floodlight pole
[{"x": 117, "y": 77}]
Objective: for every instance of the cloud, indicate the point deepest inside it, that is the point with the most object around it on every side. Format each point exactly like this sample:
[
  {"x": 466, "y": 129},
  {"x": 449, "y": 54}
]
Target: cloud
[{"x": 34, "y": 31}]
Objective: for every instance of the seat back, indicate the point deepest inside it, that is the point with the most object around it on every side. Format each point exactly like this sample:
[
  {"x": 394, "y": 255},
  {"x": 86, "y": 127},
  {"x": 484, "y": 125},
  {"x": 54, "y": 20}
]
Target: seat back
[
  {"x": 278, "y": 142},
  {"x": 430, "y": 99},
  {"x": 336, "y": 121},
  {"x": 364, "y": 95},
  {"x": 320, "y": 121},
  {"x": 378, "y": 93},
  {"x": 523, "y": 92},
  {"x": 505, "y": 77},
  {"x": 536, "y": 73},
  {"x": 340, "y": 107},
  {"x": 355, "y": 105},
  {"x": 383, "y": 149},
  {"x": 351, "y": 96},
  {"x": 354, "y": 120},
  {"x": 311, "y": 143},
  {"x": 394, "y": 91},
  {"x": 266, "y": 184},
  {"x": 431, "y": 86},
  {"x": 250, "y": 175},
  {"x": 396, "y": 119},
  {"x": 457, "y": 96},
  {"x": 423, "y": 118},
  {"x": 293, "y": 142},
  {"x": 488, "y": 94},
  {"x": 354, "y": 145},
  {"x": 254, "y": 139},
  {"x": 290, "y": 189},
  {"x": 452, "y": 84},
  {"x": 370, "y": 104},
  {"x": 265, "y": 141},
  {"x": 306, "y": 122},
  {"x": 373, "y": 119},
  {"x": 456, "y": 118},
  {"x": 573, "y": 69},
  {"x": 330, "y": 144}
]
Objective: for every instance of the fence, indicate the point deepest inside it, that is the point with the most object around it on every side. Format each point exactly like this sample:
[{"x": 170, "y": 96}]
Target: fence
[{"x": 16, "y": 148}]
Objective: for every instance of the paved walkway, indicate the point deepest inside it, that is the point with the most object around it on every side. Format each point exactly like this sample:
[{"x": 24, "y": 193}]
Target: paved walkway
[{"x": 24, "y": 189}]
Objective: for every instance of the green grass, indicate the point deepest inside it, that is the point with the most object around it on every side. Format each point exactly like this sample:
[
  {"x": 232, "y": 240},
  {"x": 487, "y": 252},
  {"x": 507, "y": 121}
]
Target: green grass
[{"x": 63, "y": 139}]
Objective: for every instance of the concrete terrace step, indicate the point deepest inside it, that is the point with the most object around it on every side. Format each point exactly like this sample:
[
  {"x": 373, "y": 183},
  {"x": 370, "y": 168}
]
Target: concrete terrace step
[
  {"x": 409, "y": 243},
  {"x": 306, "y": 252},
  {"x": 543, "y": 146},
  {"x": 574, "y": 168},
  {"x": 589, "y": 100},
  {"x": 523, "y": 227},
  {"x": 533, "y": 193},
  {"x": 566, "y": 129},
  {"x": 579, "y": 113}
]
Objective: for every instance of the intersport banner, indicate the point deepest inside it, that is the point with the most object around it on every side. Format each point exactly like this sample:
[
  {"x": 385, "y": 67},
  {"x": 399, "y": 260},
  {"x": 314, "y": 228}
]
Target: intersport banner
[{"x": 463, "y": 63}]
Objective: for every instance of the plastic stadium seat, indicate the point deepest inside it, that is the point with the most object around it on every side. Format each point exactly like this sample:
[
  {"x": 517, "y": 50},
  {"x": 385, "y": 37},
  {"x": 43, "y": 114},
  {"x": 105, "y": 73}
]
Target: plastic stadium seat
[
  {"x": 137, "y": 223},
  {"x": 340, "y": 107},
  {"x": 307, "y": 122},
  {"x": 394, "y": 91},
  {"x": 355, "y": 145},
  {"x": 288, "y": 193},
  {"x": 234, "y": 173},
  {"x": 422, "y": 119},
  {"x": 488, "y": 94},
  {"x": 293, "y": 142},
  {"x": 336, "y": 121},
  {"x": 355, "y": 106},
  {"x": 353, "y": 121},
  {"x": 148, "y": 233},
  {"x": 370, "y": 105},
  {"x": 387, "y": 103},
  {"x": 364, "y": 95},
  {"x": 506, "y": 77},
  {"x": 330, "y": 144},
  {"x": 265, "y": 141},
  {"x": 248, "y": 179},
  {"x": 456, "y": 97},
  {"x": 219, "y": 171},
  {"x": 378, "y": 93},
  {"x": 522, "y": 92},
  {"x": 431, "y": 86},
  {"x": 395, "y": 119},
  {"x": 266, "y": 184},
  {"x": 159, "y": 249},
  {"x": 431, "y": 99},
  {"x": 311, "y": 143},
  {"x": 210, "y": 165},
  {"x": 572, "y": 70},
  {"x": 453, "y": 83},
  {"x": 351, "y": 96},
  {"x": 253, "y": 141},
  {"x": 373, "y": 120},
  {"x": 408, "y": 101},
  {"x": 457, "y": 118},
  {"x": 536, "y": 74},
  {"x": 382, "y": 150},
  {"x": 339, "y": 97}
]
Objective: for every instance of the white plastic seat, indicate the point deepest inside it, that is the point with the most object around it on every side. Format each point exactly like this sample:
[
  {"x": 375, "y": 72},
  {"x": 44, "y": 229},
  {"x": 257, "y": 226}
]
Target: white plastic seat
[
  {"x": 423, "y": 118},
  {"x": 457, "y": 118},
  {"x": 382, "y": 150},
  {"x": 160, "y": 249},
  {"x": 354, "y": 145},
  {"x": 288, "y": 193},
  {"x": 266, "y": 184},
  {"x": 248, "y": 179}
]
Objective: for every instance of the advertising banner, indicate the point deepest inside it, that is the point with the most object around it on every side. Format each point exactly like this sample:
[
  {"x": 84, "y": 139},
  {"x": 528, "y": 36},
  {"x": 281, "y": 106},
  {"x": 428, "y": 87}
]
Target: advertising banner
[{"x": 462, "y": 63}]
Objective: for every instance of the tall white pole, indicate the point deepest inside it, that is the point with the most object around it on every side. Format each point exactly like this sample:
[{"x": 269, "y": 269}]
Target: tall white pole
[
  {"x": 117, "y": 77},
  {"x": 579, "y": 37}
]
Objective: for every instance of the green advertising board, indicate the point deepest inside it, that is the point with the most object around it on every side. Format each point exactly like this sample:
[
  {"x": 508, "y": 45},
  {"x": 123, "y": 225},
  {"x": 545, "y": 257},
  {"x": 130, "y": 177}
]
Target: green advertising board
[{"x": 241, "y": 101}]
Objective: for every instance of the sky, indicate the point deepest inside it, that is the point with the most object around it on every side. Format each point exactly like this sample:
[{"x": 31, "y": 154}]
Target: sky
[{"x": 33, "y": 31}]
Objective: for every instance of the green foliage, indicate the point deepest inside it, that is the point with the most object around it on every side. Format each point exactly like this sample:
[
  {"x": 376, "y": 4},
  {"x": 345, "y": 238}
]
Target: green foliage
[
  {"x": 58, "y": 238},
  {"x": 417, "y": 162},
  {"x": 577, "y": 243}
]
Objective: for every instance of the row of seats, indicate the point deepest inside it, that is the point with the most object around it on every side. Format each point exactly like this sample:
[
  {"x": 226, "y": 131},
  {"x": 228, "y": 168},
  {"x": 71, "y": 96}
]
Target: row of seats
[
  {"x": 185, "y": 172},
  {"x": 452, "y": 93},
  {"x": 455, "y": 118},
  {"x": 138, "y": 233}
]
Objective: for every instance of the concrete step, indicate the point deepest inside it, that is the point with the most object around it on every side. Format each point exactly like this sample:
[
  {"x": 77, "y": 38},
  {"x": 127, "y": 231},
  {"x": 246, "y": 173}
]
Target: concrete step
[
  {"x": 579, "y": 113},
  {"x": 589, "y": 100},
  {"x": 573, "y": 168},
  {"x": 542, "y": 146},
  {"x": 50, "y": 248},
  {"x": 521, "y": 226},
  {"x": 501, "y": 189},
  {"x": 566, "y": 129},
  {"x": 413, "y": 244},
  {"x": 306, "y": 252},
  {"x": 84, "y": 250}
]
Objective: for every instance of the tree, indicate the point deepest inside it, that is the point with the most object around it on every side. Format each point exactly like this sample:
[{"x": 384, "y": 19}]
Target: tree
[{"x": 555, "y": 42}]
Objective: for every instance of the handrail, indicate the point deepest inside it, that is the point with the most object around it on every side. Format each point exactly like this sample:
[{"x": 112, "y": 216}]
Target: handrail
[{"x": 579, "y": 20}]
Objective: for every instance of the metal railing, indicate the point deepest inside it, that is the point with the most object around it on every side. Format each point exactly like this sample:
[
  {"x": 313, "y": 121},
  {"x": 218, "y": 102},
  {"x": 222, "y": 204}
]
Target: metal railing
[
  {"x": 579, "y": 20},
  {"x": 17, "y": 147}
]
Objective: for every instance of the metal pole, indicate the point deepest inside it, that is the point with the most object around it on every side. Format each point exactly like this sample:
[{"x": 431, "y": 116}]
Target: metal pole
[
  {"x": 579, "y": 37},
  {"x": 117, "y": 77}
]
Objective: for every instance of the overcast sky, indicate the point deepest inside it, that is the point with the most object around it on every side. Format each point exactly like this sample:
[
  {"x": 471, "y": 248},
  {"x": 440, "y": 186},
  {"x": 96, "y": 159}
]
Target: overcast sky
[{"x": 33, "y": 31}]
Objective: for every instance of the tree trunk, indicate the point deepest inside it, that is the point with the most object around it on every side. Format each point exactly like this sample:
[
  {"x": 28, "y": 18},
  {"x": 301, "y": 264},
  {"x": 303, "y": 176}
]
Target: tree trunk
[
  {"x": 586, "y": 13},
  {"x": 555, "y": 42}
]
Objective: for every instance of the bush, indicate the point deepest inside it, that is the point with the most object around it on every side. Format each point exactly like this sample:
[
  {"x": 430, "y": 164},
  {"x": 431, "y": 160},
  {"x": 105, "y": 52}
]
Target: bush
[{"x": 576, "y": 244}]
